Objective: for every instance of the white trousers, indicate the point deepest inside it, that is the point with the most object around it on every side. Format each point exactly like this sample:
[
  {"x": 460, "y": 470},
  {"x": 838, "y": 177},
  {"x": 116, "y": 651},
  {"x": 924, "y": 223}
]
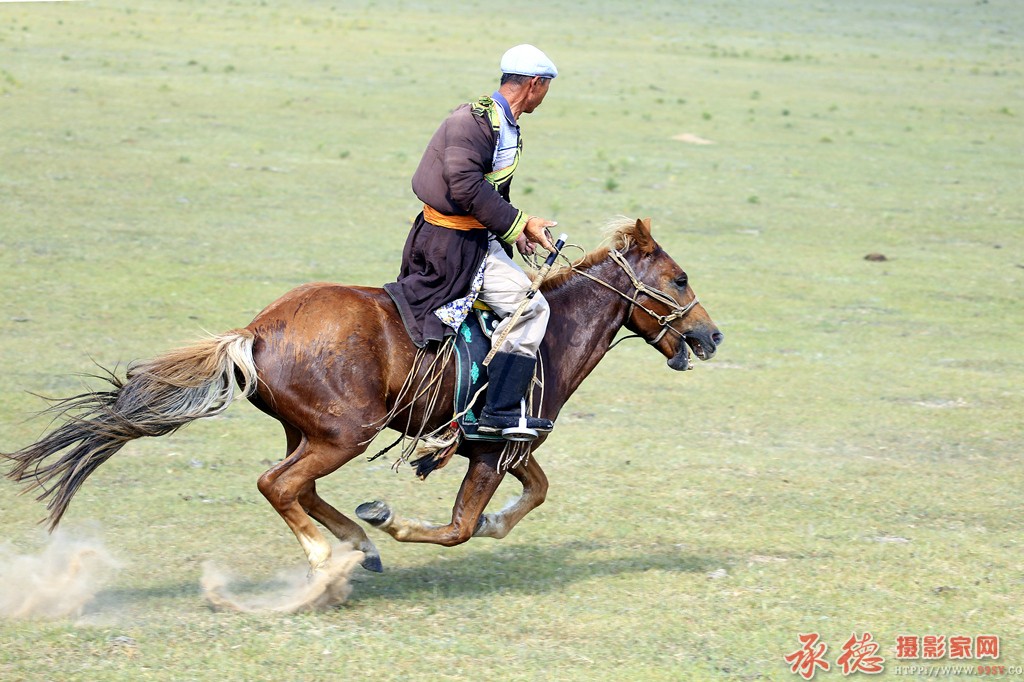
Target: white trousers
[{"x": 505, "y": 286}]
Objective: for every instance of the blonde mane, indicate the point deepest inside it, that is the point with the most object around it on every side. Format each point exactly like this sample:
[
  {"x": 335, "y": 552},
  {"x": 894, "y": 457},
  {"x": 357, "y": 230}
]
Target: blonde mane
[{"x": 619, "y": 234}]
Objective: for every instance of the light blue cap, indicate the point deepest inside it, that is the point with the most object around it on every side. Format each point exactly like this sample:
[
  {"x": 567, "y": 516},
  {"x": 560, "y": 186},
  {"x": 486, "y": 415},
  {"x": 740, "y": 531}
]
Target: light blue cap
[{"x": 527, "y": 60}]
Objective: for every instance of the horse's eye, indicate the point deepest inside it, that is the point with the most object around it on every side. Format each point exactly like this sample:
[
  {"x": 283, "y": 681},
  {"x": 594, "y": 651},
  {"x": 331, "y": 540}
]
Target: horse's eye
[{"x": 680, "y": 281}]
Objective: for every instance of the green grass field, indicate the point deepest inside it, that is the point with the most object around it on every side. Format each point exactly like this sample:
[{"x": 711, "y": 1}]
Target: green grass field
[{"x": 849, "y": 463}]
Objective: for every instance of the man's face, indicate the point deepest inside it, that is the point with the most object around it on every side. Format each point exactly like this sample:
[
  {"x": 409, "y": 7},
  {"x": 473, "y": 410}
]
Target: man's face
[{"x": 538, "y": 89}]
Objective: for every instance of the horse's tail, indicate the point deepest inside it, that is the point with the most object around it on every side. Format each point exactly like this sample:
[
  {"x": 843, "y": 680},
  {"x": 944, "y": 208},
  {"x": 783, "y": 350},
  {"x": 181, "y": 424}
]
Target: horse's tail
[{"x": 154, "y": 399}]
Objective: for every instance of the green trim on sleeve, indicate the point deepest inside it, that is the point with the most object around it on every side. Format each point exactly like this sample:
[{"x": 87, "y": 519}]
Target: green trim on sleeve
[{"x": 518, "y": 225}]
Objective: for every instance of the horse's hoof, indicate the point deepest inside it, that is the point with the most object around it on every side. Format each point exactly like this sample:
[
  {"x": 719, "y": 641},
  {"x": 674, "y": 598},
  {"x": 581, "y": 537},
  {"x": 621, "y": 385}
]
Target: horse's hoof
[
  {"x": 374, "y": 513},
  {"x": 373, "y": 563}
]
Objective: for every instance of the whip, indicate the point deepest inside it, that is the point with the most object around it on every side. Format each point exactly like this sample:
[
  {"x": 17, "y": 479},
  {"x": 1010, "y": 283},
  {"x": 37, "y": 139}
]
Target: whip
[{"x": 534, "y": 287}]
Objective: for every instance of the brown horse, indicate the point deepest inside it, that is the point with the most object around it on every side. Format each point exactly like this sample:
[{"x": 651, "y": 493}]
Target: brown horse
[{"x": 331, "y": 363}]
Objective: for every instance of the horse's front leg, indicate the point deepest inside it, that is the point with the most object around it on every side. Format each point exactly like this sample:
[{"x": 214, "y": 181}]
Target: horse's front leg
[
  {"x": 535, "y": 489},
  {"x": 482, "y": 479}
]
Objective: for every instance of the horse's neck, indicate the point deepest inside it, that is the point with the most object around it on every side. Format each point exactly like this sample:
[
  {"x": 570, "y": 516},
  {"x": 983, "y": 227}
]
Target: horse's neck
[{"x": 585, "y": 316}]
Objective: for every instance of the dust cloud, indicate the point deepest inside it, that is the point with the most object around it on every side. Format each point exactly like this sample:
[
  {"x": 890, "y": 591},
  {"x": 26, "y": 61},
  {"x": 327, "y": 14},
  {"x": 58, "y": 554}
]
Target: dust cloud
[
  {"x": 56, "y": 583},
  {"x": 291, "y": 592}
]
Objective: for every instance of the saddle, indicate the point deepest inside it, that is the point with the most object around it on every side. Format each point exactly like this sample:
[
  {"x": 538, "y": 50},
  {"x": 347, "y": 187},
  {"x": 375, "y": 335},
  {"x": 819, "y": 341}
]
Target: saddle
[{"x": 470, "y": 346}]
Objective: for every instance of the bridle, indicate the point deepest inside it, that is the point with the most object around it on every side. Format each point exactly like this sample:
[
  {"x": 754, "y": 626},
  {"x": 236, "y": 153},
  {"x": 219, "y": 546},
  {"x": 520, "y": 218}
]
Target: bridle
[{"x": 665, "y": 321}]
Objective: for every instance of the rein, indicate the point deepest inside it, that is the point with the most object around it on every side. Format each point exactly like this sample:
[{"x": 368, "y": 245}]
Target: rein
[{"x": 640, "y": 287}]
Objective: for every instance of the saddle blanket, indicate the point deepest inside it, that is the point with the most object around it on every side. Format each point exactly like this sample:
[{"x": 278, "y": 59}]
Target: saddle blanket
[{"x": 472, "y": 344}]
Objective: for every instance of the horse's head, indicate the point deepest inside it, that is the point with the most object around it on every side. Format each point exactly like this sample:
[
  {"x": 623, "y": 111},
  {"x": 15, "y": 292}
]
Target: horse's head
[{"x": 666, "y": 312}]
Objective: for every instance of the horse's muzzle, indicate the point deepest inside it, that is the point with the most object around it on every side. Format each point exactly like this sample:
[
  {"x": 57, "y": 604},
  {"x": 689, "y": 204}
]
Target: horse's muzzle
[{"x": 703, "y": 344}]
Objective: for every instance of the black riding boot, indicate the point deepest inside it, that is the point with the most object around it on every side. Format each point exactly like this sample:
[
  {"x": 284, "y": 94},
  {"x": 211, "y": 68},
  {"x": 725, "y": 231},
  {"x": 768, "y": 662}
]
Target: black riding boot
[{"x": 509, "y": 376}]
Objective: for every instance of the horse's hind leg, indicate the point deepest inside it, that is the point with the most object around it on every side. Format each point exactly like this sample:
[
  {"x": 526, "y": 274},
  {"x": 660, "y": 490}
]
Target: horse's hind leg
[
  {"x": 285, "y": 484},
  {"x": 535, "y": 488},
  {"x": 343, "y": 528},
  {"x": 481, "y": 480}
]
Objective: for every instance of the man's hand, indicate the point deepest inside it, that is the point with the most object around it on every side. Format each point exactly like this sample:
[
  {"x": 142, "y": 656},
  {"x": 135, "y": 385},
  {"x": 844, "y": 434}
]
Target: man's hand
[{"x": 535, "y": 232}]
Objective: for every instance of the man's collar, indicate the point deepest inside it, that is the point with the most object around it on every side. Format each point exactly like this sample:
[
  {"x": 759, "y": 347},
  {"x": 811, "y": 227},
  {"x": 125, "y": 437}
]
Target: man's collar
[{"x": 500, "y": 99}]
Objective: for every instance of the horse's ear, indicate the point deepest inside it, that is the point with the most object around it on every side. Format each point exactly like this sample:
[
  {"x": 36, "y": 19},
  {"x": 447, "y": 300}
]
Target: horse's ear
[{"x": 642, "y": 236}]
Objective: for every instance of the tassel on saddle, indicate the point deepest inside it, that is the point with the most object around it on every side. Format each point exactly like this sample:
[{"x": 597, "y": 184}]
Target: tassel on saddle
[{"x": 434, "y": 452}]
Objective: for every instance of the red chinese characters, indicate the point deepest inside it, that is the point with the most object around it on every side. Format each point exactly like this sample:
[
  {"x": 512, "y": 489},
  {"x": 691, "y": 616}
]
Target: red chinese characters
[
  {"x": 961, "y": 647},
  {"x": 860, "y": 655},
  {"x": 806, "y": 660},
  {"x": 908, "y": 646},
  {"x": 933, "y": 647},
  {"x": 986, "y": 646},
  {"x": 955, "y": 647}
]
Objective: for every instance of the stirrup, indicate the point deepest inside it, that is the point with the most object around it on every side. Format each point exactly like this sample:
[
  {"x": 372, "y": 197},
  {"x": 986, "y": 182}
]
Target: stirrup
[{"x": 520, "y": 433}]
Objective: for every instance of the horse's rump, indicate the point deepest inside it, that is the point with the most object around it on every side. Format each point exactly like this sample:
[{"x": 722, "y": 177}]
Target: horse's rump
[{"x": 336, "y": 358}]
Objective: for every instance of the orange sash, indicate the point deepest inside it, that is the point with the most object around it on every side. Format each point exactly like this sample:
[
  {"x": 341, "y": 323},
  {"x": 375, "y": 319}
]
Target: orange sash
[{"x": 454, "y": 222}]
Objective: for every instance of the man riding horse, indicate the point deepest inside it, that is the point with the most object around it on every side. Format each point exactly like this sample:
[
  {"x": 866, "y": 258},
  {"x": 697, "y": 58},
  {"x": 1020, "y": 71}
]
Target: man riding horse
[
  {"x": 332, "y": 362},
  {"x": 459, "y": 250}
]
